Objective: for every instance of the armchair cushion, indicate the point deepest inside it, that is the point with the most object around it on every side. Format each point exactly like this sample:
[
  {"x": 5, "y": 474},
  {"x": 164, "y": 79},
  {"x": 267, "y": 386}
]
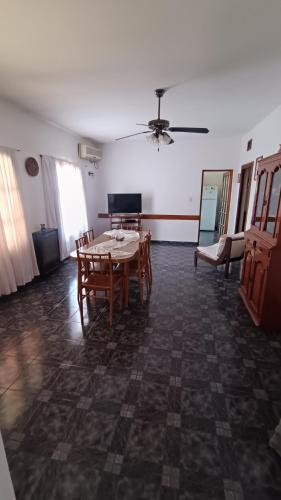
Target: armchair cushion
[
  {"x": 237, "y": 245},
  {"x": 231, "y": 246},
  {"x": 210, "y": 251}
]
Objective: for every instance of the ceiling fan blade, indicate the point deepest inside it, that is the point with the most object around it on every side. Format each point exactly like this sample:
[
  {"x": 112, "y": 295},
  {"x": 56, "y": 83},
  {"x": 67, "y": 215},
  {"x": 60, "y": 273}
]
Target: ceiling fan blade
[
  {"x": 192, "y": 130},
  {"x": 143, "y": 124},
  {"x": 138, "y": 133}
]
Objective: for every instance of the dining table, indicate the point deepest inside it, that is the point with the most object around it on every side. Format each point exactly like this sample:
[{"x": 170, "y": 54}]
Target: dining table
[{"x": 122, "y": 252}]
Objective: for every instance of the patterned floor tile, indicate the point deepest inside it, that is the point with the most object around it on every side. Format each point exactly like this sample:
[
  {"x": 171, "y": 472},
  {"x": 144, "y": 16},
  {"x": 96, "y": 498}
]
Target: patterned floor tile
[{"x": 176, "y": 401}]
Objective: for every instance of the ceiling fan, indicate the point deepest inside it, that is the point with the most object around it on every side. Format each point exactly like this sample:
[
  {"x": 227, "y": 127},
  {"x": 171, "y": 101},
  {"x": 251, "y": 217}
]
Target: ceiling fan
[{"x": 159, "y": 128}]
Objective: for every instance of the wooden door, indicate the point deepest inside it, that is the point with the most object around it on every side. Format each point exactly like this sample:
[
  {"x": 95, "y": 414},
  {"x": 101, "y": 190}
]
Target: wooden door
[
  {"x": 225, "y": 202},
  {"x": 243, "y": 198}
]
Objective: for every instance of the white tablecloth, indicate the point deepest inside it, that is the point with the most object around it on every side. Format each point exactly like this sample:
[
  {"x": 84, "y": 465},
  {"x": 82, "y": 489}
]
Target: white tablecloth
[{"x": 113, "y": 246}]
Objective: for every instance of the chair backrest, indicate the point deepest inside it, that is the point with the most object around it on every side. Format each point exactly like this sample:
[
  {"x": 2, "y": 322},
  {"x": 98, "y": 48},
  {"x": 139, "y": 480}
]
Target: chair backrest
[
  {"x": 95, "y": 264},
  {"x": 232, "y": 246},
  {"x": 237, "y": 247},
  {"x": 143, "y": 253},
  {"x": 115, "y": 224},
  {"x": 89, "y": 235},
  {"x": 80, "y": 242}
]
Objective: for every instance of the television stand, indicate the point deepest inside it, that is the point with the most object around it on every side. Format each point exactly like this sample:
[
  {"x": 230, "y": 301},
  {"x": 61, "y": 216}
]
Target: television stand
[{"x": 120, "y": 221}]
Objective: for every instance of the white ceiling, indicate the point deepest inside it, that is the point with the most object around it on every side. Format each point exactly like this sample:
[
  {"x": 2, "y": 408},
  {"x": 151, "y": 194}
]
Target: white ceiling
[{"x": 92, "y": 65}]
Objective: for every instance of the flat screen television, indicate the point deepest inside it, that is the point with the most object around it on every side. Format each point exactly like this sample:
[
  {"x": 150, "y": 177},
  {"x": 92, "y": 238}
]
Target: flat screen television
[{"x": 124, "y": 203}]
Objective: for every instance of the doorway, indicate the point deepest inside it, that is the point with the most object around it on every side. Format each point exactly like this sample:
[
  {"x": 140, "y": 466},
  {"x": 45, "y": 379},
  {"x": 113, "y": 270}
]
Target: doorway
[
  {"x": 216, "y": 188},
  {"x": 243, "y": 197}
]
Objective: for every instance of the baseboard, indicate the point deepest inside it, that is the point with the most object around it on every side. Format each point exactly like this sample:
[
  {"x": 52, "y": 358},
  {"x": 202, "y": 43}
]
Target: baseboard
[{"x": 175, "y": 243}]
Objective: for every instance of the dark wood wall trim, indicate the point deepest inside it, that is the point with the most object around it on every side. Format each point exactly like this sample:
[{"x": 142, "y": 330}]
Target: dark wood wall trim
[{"x": 154, "y": 216}]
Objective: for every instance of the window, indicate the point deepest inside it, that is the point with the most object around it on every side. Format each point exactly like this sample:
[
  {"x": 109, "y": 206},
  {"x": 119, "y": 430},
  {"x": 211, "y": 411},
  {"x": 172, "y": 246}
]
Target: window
[{"x": 72, "y": 201}]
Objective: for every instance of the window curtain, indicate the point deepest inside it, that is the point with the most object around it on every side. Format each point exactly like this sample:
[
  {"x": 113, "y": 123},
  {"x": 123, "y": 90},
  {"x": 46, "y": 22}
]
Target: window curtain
[
  {"x": 65, "y": 201},
  {"x": 52, "y": 201},
  {"x": 18, "y": 263}
]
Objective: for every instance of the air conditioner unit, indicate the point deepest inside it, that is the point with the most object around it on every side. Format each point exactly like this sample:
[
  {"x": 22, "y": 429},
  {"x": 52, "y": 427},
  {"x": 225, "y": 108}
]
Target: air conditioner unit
[{"x": 89, "y": 153}]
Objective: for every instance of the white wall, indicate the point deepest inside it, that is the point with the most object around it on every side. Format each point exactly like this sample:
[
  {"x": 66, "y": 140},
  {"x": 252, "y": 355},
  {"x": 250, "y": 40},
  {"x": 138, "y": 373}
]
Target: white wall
[
  {"x": 21, "y": 130},
  {"x": 170, "y": 181},
  {"x": 266, "y": 137}
]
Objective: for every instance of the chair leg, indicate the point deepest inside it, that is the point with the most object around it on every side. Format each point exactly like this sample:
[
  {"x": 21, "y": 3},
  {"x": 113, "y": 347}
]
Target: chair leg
[
  {"x": 150, "y": 272},
  {"x": 140, "y": 289},
  {"x": 226, "y": 270},
  {"x": 121, "y": 294},
  {"x": 80, "y": 302},
  {"x": 147, "y": 281},
  {"x": 195, "y": 258},
  {"x": 110, "y": 308}
]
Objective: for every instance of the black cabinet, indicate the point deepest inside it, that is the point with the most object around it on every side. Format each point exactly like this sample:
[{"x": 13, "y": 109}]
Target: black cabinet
[{"x": 46, "y": 245}]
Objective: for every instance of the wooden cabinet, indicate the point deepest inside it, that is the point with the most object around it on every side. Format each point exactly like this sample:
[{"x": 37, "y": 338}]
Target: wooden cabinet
[
  {"x": 260, "y": 286},
  {"x": 247, "y": 266},
  {"x": 46, "y": 245}
]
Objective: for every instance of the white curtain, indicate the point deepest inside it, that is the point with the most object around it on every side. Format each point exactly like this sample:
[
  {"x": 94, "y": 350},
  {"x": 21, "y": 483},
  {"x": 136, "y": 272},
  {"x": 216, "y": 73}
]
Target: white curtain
[
  {"x": 65, "y": 201},
  {"x": 52, "y": 201},
  {"x": 17, "y": 258}
]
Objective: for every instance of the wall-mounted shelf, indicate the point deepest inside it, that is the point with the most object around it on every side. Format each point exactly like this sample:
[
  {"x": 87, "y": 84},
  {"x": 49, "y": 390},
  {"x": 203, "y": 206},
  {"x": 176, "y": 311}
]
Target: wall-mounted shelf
[{"x": 151, "y": 216}]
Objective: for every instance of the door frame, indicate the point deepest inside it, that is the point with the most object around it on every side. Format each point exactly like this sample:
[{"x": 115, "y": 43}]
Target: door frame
[
  {"x": 245, "y": 166},
  {"x": 229, "y": 194}
]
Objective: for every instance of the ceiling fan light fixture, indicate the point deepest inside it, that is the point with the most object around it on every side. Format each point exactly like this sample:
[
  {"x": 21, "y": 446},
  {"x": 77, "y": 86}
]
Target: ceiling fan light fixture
[
  {"x": 159, "y": 138},
  {"x": 165, "y": 138},
  {"x": 152, "y": 139}
]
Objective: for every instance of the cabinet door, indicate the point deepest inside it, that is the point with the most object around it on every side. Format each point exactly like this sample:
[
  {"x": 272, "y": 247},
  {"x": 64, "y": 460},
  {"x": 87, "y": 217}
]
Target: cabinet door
[
  {"x": 274, "y": 202},
  {"x": 257, "y": 283},
  {"x": 247, "y": 267}
]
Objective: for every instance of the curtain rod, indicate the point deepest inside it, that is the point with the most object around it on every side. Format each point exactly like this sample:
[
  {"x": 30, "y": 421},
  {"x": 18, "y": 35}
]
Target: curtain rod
[
  {"x": 56, "y": 158},
  {"x": 71, "y": 162}
]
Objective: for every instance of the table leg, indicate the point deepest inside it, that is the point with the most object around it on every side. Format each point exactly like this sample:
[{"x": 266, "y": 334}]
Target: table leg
[{"x": 126, "y": 283}]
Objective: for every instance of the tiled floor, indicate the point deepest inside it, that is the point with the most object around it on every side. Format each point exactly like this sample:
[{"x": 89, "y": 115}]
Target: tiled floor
[{"x": 177, "y": 401}]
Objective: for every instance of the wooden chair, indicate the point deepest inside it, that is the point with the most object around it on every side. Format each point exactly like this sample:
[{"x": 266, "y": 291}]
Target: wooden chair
[
  {"x": 89, "y": 235},
  {"x": 230, "y": 248},
  {"x": 80, "y": 242},
  {"x": 99, "y": 279},
  {"x": 139, "y": 268}
]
